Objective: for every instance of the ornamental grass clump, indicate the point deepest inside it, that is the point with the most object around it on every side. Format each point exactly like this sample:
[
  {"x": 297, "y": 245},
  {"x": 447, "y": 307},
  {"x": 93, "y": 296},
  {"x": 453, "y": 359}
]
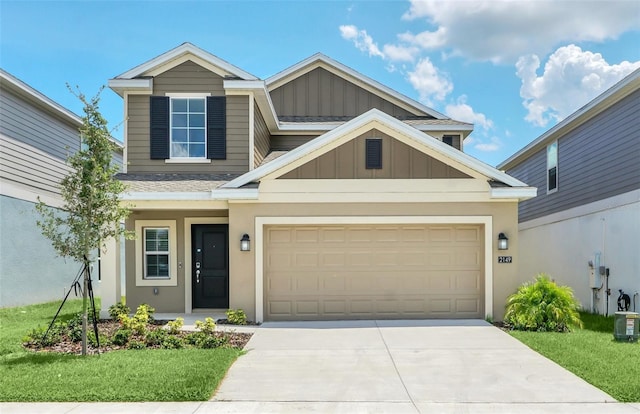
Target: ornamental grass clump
[{"x": 542, "y": 305}]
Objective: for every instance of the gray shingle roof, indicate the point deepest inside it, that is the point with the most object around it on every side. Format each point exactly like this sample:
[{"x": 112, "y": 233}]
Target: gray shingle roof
[{"x": 174, "y": 182}]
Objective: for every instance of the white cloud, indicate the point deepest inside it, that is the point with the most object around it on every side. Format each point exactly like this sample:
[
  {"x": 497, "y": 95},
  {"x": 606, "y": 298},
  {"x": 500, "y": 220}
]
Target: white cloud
[
  {"x": 430, "y": 82},
  {"x": 461, "y": 111},
  {"x": 493, "y": 145},
  {"x": 571, "y": 78},
  {"x": 401, "y": 53},
  {"x": 361, "y": 40},
  {"x": 502, "y": 31}
]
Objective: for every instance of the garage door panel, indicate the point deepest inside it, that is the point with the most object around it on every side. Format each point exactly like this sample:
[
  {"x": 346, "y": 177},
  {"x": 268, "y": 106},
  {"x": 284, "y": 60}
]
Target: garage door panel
[{"x": 373, "y": 271}]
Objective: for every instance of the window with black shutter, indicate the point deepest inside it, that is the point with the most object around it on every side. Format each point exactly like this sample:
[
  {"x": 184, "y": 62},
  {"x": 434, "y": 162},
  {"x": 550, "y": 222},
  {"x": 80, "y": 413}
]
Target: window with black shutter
[{"x": 216, "y": 127}]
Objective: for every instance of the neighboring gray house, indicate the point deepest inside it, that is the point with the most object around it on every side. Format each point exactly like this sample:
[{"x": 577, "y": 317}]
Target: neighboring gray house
[
  {"x": 587, "y": 213},
  {"x": 36, "y": 137}
]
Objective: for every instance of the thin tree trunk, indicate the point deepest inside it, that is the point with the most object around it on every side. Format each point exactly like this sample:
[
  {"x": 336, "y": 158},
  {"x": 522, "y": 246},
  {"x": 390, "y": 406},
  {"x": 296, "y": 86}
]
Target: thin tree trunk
[{"x": 85, "y": 292}]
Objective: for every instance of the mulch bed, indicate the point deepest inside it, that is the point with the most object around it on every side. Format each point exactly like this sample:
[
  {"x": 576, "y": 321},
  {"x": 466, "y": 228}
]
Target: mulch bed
[{"x": 108, "y": 327}]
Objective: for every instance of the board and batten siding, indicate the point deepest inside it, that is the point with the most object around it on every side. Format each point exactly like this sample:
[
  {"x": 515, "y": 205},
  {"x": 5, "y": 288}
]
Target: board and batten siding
[
  {"x": 399, "y": 161},
  {"x": 597, "y": 160},
  {"x": 188, "y": 77},
  {"x": 28, "y": 123},
  {"x": 261, "y": 137},
  {"x": 321, "y": 93}
]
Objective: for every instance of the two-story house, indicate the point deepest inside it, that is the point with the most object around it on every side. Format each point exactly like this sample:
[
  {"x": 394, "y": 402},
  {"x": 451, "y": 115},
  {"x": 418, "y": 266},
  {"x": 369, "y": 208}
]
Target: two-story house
[
  {"x": 315, "y": 194},
  {"x": 585, "y": 222},
  {"x": 36, "y": 137}
]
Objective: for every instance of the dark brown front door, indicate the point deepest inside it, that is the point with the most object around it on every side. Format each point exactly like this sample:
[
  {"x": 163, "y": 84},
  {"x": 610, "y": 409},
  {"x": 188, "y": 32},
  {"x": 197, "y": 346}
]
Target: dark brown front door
[{"x": 210, "y": 273}]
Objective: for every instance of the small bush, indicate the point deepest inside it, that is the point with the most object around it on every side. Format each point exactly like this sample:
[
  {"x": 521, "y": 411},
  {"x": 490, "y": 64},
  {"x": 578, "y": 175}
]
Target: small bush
[
  {"x": 542, "y": 305},
  {"x": 236, "y": 317},
  {"x": 36, "y": 336},
  {"x": 172, "y": 342},
  {"x": 91, "y": 338},
  {"x": 139, "y": 321},
  {"x": 155, "y": 337},
  {"x": 135, "y": 344},
  {"x": 207, "y": 327},
  {"x": 121, "y": 337},
  {"x": 118, "y": 309},
  {"x": 174, "y": 327},
  {"x": 211, "y": 341},
  {"x": 74, "y": 328}
]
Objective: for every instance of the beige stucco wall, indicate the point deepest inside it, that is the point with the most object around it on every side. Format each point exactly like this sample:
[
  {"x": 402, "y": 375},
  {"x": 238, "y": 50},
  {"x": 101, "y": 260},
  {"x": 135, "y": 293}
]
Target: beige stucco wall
[{"x": 242, "y": 220}]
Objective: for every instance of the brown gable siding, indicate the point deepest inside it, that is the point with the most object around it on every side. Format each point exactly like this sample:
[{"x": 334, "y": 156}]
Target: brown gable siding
[
  {"x": 185, "y": 78},
  {"x": 398, "y": 161},
  {"x": 321, "y": 93},
  {"x": 261, "y": 137},
  {"x": 597, "y": 160}
]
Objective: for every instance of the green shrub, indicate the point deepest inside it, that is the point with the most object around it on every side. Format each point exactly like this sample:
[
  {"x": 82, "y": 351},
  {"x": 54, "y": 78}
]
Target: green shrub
[
  {"x": 542, "y": 305},
  {"x": 211, "y": 341},
  {"x": 155, "y": 337},
  {"x": 236, "y": 317},
  {"x": 74, "y": 328},
  {"x": 118, "y": 309},
  {"x": 91, "y": 338},
  {"x": 121, "y": 337},
  {"x": 207, "y": 327},
  {"x": 36, "y": 336},
  {"x": 139, "y": 321},
  {"x": 174, "y": 327},
  {"x": 172, "y": 342},
  {"x": 135, "y": 344}
]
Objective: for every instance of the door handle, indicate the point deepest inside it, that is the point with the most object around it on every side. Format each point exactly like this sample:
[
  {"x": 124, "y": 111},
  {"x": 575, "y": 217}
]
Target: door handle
[{"x": 197, "y": 276}]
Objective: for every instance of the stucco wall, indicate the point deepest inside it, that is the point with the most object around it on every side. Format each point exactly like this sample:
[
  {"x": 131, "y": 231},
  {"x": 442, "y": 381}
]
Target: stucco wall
[{"x": 30, "y": 272}]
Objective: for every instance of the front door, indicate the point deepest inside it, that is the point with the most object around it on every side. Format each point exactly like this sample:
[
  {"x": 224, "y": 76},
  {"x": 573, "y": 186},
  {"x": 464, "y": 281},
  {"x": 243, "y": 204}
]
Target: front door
[{"x": 210, "y": 266}]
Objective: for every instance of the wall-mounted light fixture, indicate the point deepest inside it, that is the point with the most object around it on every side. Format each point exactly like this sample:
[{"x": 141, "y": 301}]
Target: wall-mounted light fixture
[
  {"x": 245, "y": 243},
  {"x": 503, "y": 242}
]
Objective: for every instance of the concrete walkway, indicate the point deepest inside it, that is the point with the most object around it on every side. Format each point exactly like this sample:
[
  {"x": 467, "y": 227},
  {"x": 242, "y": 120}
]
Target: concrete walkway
[{"x": 381, "y": 366}]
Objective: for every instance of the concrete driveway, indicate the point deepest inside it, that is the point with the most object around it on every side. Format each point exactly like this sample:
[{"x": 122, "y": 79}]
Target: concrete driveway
[{"x": 400, "y": 366}]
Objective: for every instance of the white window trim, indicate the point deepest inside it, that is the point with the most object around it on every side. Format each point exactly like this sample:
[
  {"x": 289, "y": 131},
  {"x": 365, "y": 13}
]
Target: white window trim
[
  {"x": 173, "y": 253},
  {"x": 186, "y": 160},
  {"x": 547, "y": 165}
]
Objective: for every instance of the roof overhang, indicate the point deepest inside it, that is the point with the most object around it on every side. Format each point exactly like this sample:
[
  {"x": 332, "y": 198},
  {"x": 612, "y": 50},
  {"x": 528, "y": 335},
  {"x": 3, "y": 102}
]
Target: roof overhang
[
  {"x": 142, "y": 86},
  {"x": 617, "y": 92},
  {"x": 260, "y": 94},
  {"x": 377, "y": 117}
]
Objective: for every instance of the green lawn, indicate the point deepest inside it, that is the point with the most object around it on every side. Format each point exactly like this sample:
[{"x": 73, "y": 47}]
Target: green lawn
[
  {"x": 132, "y": 375},
  {"x": 592, "y": 354}
]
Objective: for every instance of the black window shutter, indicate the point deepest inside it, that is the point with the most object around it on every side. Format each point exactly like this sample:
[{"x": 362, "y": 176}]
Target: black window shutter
[
  {"x": 373, "y": 154},
  {"x": 159, "y": 129},
  {"x": 217, "y": 127}
]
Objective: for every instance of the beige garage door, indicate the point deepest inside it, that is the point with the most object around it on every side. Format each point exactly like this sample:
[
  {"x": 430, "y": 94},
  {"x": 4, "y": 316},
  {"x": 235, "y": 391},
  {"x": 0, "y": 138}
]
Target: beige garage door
[{"x": 373, "y": 271}]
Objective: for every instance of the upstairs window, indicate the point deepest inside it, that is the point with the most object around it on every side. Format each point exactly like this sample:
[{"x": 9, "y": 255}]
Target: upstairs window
[
  {"x": 188, "y": 128},
  {"x": 552, "y": 167},
  {"x": 188, "y": 123}
]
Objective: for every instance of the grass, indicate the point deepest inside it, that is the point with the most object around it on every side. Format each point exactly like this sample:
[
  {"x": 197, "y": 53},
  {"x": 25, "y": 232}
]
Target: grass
[
  {"x": 132, "y": 375},
  {"x": 592, "y": 354}
]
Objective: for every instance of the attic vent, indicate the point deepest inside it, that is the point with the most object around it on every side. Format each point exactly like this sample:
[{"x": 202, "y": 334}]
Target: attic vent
[{"x": 373, "y": 154}]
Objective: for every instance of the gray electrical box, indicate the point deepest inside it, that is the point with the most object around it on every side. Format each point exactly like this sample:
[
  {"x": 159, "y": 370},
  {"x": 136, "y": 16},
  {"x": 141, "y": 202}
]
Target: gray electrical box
[{"x": 626, "y": 326}]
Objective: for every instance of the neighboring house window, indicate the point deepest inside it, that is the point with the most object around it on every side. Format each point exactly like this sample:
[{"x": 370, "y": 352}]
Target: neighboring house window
[
  {"x": 156, "y": 253},
  {"x": 552, "y": 167},
  {"x": 448, "y": 139},
  {"x": 189, "y": 128},
  {"x": 373, "y": 154}
]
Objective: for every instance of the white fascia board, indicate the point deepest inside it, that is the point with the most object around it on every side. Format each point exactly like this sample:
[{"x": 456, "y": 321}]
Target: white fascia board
[
  {"x": 261, "y": 95},
  {"x": 375, "y": 115},
  {"x": 43, "y": 100},
  {"x": 131, "y": 86},
  {"x": 521, "y": 193},
  {"x": 608, "y": 98},
  {"x": 165, "y": 196},
  {"x": 326, "y": 62},
  {"x": 185, "y": 48},
  {"x": 460, "y": 127},
  {"x": 234, "y": 194}
]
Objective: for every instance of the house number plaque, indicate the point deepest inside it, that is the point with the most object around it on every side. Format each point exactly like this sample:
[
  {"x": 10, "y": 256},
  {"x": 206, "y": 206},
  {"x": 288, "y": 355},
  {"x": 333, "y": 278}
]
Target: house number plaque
[{"x": 505, "y": 259}]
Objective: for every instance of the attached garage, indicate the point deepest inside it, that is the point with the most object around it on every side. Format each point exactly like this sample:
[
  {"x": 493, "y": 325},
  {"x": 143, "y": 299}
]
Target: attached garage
[{"x": 373, "y": 271}]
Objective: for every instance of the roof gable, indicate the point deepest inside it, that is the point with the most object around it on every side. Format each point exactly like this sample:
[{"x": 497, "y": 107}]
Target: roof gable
[
  {"x": 374, "y": 119},
  {"x": 181, "y": 54},
  {"x": 321, "y": 61}
]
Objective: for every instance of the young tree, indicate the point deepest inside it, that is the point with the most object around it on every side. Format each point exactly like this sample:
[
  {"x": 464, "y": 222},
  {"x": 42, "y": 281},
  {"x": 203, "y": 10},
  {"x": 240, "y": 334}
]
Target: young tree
[{"x": 91, "y": 194}]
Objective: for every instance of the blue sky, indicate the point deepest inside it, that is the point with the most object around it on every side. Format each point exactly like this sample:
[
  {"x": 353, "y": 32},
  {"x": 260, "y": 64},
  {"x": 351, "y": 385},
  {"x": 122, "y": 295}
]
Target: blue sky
[{"x": 513, "y": 68}]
